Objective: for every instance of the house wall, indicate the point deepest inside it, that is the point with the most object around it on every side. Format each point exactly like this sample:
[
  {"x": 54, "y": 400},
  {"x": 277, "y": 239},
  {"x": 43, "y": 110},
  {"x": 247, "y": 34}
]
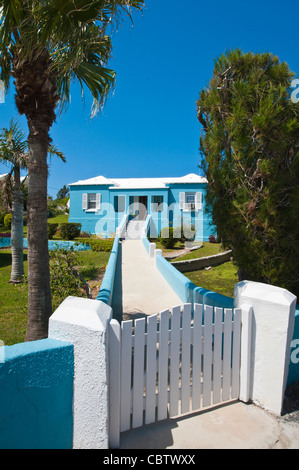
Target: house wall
[
  {"x": 106, "y": 220},
  {"x": 90, "y": 220},
  {"x": 159, "y": 220},
  {"x": 201, "y": 220}
]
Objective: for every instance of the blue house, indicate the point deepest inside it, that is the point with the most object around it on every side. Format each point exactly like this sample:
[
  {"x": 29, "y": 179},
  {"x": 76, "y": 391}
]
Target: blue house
[{"x": 100, "y": 204}]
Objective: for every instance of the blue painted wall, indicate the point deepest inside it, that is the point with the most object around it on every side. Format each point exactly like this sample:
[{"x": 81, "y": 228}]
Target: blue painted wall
[
  {"x": 201, "y": 219},
  {"x": 89, "y": 219},
  {"x": 106, "y": 290},
  {"x": 294, "y": 364},
  {"x": 106, "y": 220},
  {"x": 36, "y": 383}
]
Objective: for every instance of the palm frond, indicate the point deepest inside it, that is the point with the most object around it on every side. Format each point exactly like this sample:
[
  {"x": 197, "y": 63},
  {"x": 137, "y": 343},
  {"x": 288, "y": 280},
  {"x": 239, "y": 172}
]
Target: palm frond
[
  {"x": 53, "y": 151},
  {"x": 74, "y": 34},
  {"x": 13, "y": 145}
]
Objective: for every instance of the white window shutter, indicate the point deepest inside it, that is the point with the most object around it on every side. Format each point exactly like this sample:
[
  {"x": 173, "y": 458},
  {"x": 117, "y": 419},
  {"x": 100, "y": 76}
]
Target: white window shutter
[
  {"x": 84, "y": 201},
  {"x": 182, "y": 201},
  {"x": 198, "y": 201},
  {"x": 98, "y": 201}
]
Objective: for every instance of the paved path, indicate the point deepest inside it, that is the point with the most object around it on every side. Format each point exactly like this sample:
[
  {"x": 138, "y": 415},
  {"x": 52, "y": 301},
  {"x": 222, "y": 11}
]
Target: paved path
[
  {"x": 231, "y": 426},
  {"x": 140, "y": 289}
]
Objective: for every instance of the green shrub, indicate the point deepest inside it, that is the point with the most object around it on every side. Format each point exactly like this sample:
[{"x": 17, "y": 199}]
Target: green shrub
[
  {"x": 7, "y": 221},
  {"x": 52, "y": 230},
  {"x": 2, "y": 215},
  {"x": 166, "y": 237},
  {"x": 97, "y": 244},
  {"x": 70, "y": 231},
  {"x": 187, "y": 233},
  {"x": 65, "y": 279}
]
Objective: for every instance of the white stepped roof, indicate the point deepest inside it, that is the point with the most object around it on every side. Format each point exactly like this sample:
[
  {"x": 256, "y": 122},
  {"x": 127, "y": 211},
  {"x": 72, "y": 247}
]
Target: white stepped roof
[
  {"x": 98, "y": 180},
  {"x": 141, "y": 183}
]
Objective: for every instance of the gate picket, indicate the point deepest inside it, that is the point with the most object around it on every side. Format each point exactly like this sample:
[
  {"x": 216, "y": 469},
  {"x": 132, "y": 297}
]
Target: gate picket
[
  {"x": 174, "y": 361},
  {"x": 126, "y": 374},
  {"x": 138, "y": 374},
  {"x": 207, "y": 359},
  {"x": 217, "y": 363},
  {"x": 163, "y": 365},
  {"x": 227, "y": 354},
  {"x": 196, "y": 357},
  {"x": 186, "y": 358},
  {"x": 151, "y": 370},
  {"x": 236, "y": 354}
]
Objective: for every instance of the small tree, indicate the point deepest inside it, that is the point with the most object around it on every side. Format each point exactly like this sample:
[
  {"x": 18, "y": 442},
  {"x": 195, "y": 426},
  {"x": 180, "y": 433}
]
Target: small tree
[
  {"x": 65, "y": 278},
  {"x": 167, "y": 237},
  {"x": 250, "y": 150},
  {"x": 14, "y": 151},
  {"x": 63, "y": 193}
]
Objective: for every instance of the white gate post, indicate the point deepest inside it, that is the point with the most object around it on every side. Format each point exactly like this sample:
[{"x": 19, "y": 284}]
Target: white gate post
[
  {"x": 84, "y": 323},
  {"x": 114, "y": 384},
  {"x": 245, "y": 364},
  {"x": 273, "y": 318}
]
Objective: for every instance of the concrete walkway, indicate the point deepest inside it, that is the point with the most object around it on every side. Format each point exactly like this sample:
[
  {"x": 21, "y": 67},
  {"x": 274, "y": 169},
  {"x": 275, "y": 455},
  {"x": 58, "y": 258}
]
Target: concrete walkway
[
  {"x": 230, "y": 426},
  {"x": 140, "y": 289}
]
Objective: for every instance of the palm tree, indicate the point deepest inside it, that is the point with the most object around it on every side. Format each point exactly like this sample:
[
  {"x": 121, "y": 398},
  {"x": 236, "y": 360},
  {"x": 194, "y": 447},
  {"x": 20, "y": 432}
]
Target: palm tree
[
  {"x": 13, "y": 147},
  {"x": 44, "y": 46},
  {"x": 14, "y": 151}
]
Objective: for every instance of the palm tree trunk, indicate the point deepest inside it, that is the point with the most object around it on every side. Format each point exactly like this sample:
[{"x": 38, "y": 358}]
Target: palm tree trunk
[
  {"x": 17, "y": 265},
  {"x": 39, "y": 294},
  {"x": 37, "y": 97}
]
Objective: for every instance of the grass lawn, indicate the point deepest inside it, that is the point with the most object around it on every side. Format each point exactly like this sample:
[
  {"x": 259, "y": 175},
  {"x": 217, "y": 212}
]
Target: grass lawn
[
  {"x": 92, "y": 263},
  {"x": 13, "y": 301},
  {"x": 59, "y": 219},
  {"x": 178, "y": 247},
  {"x": 13, "y": 297},
  {"x": 220, "y": 279},
  {"x": 207, "y": 249}
]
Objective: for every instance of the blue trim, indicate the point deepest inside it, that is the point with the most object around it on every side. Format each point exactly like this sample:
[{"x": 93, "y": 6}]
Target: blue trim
[
  {"x": 181, "y": 285},
  {"x": 294, "y": 367},
  {"x": 189, "y": 292},
  {"x": 106, "y": 289}
]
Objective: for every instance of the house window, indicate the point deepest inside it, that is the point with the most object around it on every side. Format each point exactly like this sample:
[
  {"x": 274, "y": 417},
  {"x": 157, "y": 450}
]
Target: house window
[
  {"x": 91, "y": 201},
  {"x": 157, "y": 203},
  {"x": 120, "y": 203},
  {"x": 190, "y": 201}
]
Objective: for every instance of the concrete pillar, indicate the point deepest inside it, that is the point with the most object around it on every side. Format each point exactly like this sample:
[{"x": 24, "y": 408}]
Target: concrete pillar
[
  {"x": 152, "y": 248},
  {"x": 157, "y": 253},
  {"x": 273, "y": 317},
  {"x": 84, "y": 323}
]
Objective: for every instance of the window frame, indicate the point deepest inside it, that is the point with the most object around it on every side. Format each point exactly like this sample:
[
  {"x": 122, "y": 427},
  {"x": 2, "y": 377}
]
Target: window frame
[
  {"x": 116, "y": 198},
  {"x": 157, "y": 206}
]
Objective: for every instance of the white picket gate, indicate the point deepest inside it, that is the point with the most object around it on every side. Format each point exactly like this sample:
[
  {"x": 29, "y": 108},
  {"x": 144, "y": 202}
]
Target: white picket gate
[{"x": 173, "y": 363}]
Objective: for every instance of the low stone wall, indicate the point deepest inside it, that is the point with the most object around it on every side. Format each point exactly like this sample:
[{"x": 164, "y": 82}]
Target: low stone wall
[{"x": 200, "y": 263}]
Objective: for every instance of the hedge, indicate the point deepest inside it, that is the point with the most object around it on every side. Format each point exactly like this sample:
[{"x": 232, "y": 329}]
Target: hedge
[
  {"x": 69, "y": 231},
  {"x": 52, "y": 228},
  {"x": 98, "y": 244}
]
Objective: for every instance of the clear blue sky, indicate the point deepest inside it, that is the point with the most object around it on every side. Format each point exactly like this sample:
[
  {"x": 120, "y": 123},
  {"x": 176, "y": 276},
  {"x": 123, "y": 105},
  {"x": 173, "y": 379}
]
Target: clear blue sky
[{"x": 149, "y": 127}]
